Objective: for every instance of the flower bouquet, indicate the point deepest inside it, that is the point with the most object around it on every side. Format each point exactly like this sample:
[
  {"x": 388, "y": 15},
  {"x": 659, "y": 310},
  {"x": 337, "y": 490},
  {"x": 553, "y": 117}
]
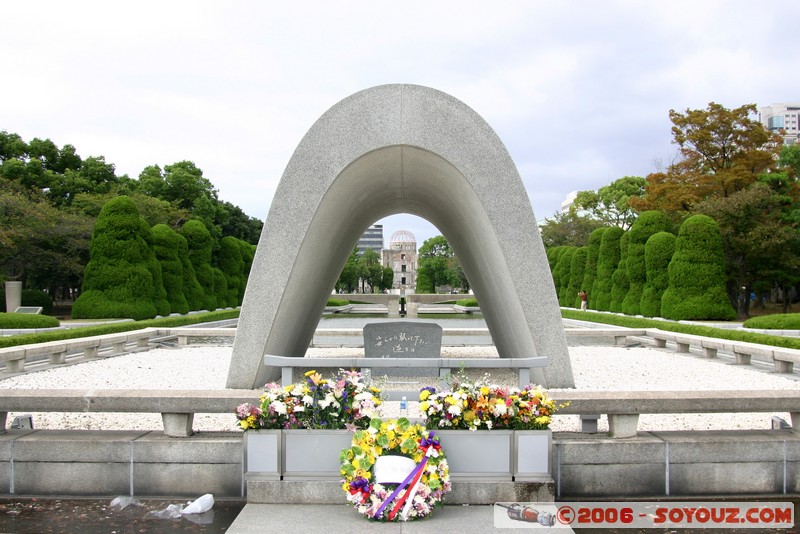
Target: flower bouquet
[
  {"x": 394, "y": 471},
  {"x": 347, "y": 401},
  {"x": 479, "y": 405}
]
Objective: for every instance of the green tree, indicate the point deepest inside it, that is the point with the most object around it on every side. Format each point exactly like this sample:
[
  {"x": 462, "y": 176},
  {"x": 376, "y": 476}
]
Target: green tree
[
  {"x": 619, "y": 280},
  {"x": 387, "y": 278},
  {"x": 118, "y": 281},
  {"x": 610, "y": 204},
  {"x": 153, "y": 210},
  {"x": 199, "y": 242},
  {"x": 435, "y": 265},
  {"x": 568, "y": 229},
  {"x": 721, "y": 151},
  {"x": 658, "y": 253},
  {"x": 166, "y": 246},
  {"x": 240, "y": 225},
  {"x": 370, "y": 271},
  {"x": 11, "y": 146},
  {"x": 44, "y": 247},
  {"x": 697, "y": 274},
  {"x": 758, "y": 242},
  {"x": 607, "y": 261},
  {"x": 348, "y": 279},
  {"x": 592, "y": 256},
  {"x": 647, "y": 224}
]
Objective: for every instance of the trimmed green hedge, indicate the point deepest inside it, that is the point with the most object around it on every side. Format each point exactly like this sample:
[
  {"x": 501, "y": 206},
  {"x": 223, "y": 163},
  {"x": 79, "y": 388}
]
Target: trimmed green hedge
[
  {"x": 118, "y": 281},
  {"x": 468, "y": 303},
  {"x": 592, "y": 257},
  {"x": 337, "y": 302},
  {"x": 198, "y": 239},
  {"x": 166, "y": 246},
  {"x": 114, "y": 328},
  {"x": 576, "y": 274},
  {"x": 27, "y": 320},
  {"x": 658, "y": 252},
  {"x": 697, "y": 274},
  {"x": 600, "y": 293},
  {"x": 707, "y": 331},
  {"x": 619, "y": 280},
  {"x": 561, "y": 275},
  {"x": 779, "y": 321},
  {"x": 647, "y": 224}
]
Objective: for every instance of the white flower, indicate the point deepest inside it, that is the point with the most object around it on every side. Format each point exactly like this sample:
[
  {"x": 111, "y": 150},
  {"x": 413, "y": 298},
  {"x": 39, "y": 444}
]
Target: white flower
[
  {"x": 308, "y": 400},
  {"x": 499, "y": 409},
  {"x": 279, "y": 407},
  {"x": 455, "y": 409}
]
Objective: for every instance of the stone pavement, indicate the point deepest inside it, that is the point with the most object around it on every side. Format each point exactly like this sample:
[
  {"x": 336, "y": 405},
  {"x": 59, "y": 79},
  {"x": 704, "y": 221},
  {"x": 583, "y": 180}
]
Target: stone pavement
[{"x": 302, "y": 518}]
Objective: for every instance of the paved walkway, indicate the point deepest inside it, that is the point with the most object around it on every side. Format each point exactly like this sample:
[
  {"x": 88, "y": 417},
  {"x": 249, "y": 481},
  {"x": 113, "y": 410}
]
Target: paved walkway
[{"x": 302, "y": 518}]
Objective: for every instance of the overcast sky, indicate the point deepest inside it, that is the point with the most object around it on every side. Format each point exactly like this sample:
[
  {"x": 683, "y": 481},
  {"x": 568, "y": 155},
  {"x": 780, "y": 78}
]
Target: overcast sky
[{"x": 579, "y": 92}]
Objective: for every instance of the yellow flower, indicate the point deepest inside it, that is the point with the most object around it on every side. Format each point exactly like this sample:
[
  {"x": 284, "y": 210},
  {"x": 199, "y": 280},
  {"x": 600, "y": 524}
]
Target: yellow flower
[
  {"x": 542, "y": 420},
  {"x": 309, "y": 373},
  {"x": 484, "y": 390},
  {"x": 423, "y": 406},
  {"x": 424, "y": 394}
]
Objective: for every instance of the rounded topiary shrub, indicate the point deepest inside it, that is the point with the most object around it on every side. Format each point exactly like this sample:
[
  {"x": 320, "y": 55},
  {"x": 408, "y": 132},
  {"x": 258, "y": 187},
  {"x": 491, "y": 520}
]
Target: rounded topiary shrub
[
  {"x": 220, "y": 288},
  {"x": 166, "y": 246},
  {"x": 697, "y": 274},
  {"x": 562, "y": 275},
  {"x": 192, "y": 289},
  {"x": 230, "y": 262},
  {"x": 248, "y": 253},
  {"x": 199, "y": 241},
  {"x": 657, "y": 254},
  {"x": 576, "y": 274},
  {"x": 619, "y": 280},
  {"x": 645, "y": 225},
  {"x": 607, "y": 261},
  {"x": 117, "y": 282},
  {"x": 552, "y": 261},
  {"x": 592, "y": 255}
]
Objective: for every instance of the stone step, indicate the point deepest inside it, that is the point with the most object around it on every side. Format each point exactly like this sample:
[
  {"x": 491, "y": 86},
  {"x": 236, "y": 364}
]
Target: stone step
[
  {"x": 298, "y": 518},
  {"x": 473, "y": 492}
]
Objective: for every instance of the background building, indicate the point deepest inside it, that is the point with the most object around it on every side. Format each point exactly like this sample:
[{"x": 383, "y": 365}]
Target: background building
[
  {"x": 371, "y": 239},
  {"x": 782, "y": 118},
  {"x": 401, "y": 257}
]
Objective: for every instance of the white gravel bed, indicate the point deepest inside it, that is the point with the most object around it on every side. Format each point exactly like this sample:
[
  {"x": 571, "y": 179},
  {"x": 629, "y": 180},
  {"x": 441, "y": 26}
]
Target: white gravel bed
[{"x": 595, "y": 368}]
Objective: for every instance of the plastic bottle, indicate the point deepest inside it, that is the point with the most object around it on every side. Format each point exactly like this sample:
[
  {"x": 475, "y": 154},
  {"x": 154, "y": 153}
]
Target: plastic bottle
[{"x": 403, "y": 407}]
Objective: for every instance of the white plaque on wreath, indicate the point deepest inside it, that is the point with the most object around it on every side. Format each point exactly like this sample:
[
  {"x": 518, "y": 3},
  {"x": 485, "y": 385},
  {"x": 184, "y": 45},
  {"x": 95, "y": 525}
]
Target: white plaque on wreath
[{"x": 392, "y": 469}]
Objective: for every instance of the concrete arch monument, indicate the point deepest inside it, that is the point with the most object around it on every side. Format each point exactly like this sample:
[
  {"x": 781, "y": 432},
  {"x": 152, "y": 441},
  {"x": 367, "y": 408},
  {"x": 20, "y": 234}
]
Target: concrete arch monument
[{"x": 399, "y": 149}]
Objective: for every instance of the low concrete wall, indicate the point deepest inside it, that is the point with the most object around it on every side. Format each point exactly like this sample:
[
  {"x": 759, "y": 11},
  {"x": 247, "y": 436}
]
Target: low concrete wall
[
  {"x": 678, "y": 463},
  {"x": 111, "y": 463},
  {"x": 148, "y": 464}
]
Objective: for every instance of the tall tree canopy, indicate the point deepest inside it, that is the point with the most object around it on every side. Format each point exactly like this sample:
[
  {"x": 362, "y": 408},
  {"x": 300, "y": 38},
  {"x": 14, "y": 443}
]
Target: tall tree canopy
[
  {"x": 721, "y": 151},
  {"x": 611, "y": 203},
  {"x": 437, "y": 265}
]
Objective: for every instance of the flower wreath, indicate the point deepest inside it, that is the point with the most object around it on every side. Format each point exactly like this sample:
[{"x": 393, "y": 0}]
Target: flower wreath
[{"x": 412, "y": 498}]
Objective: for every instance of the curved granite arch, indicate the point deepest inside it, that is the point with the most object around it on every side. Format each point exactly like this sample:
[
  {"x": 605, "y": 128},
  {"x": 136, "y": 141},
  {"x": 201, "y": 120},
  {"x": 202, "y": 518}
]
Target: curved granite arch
[{"x": 399, "y": 149}]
